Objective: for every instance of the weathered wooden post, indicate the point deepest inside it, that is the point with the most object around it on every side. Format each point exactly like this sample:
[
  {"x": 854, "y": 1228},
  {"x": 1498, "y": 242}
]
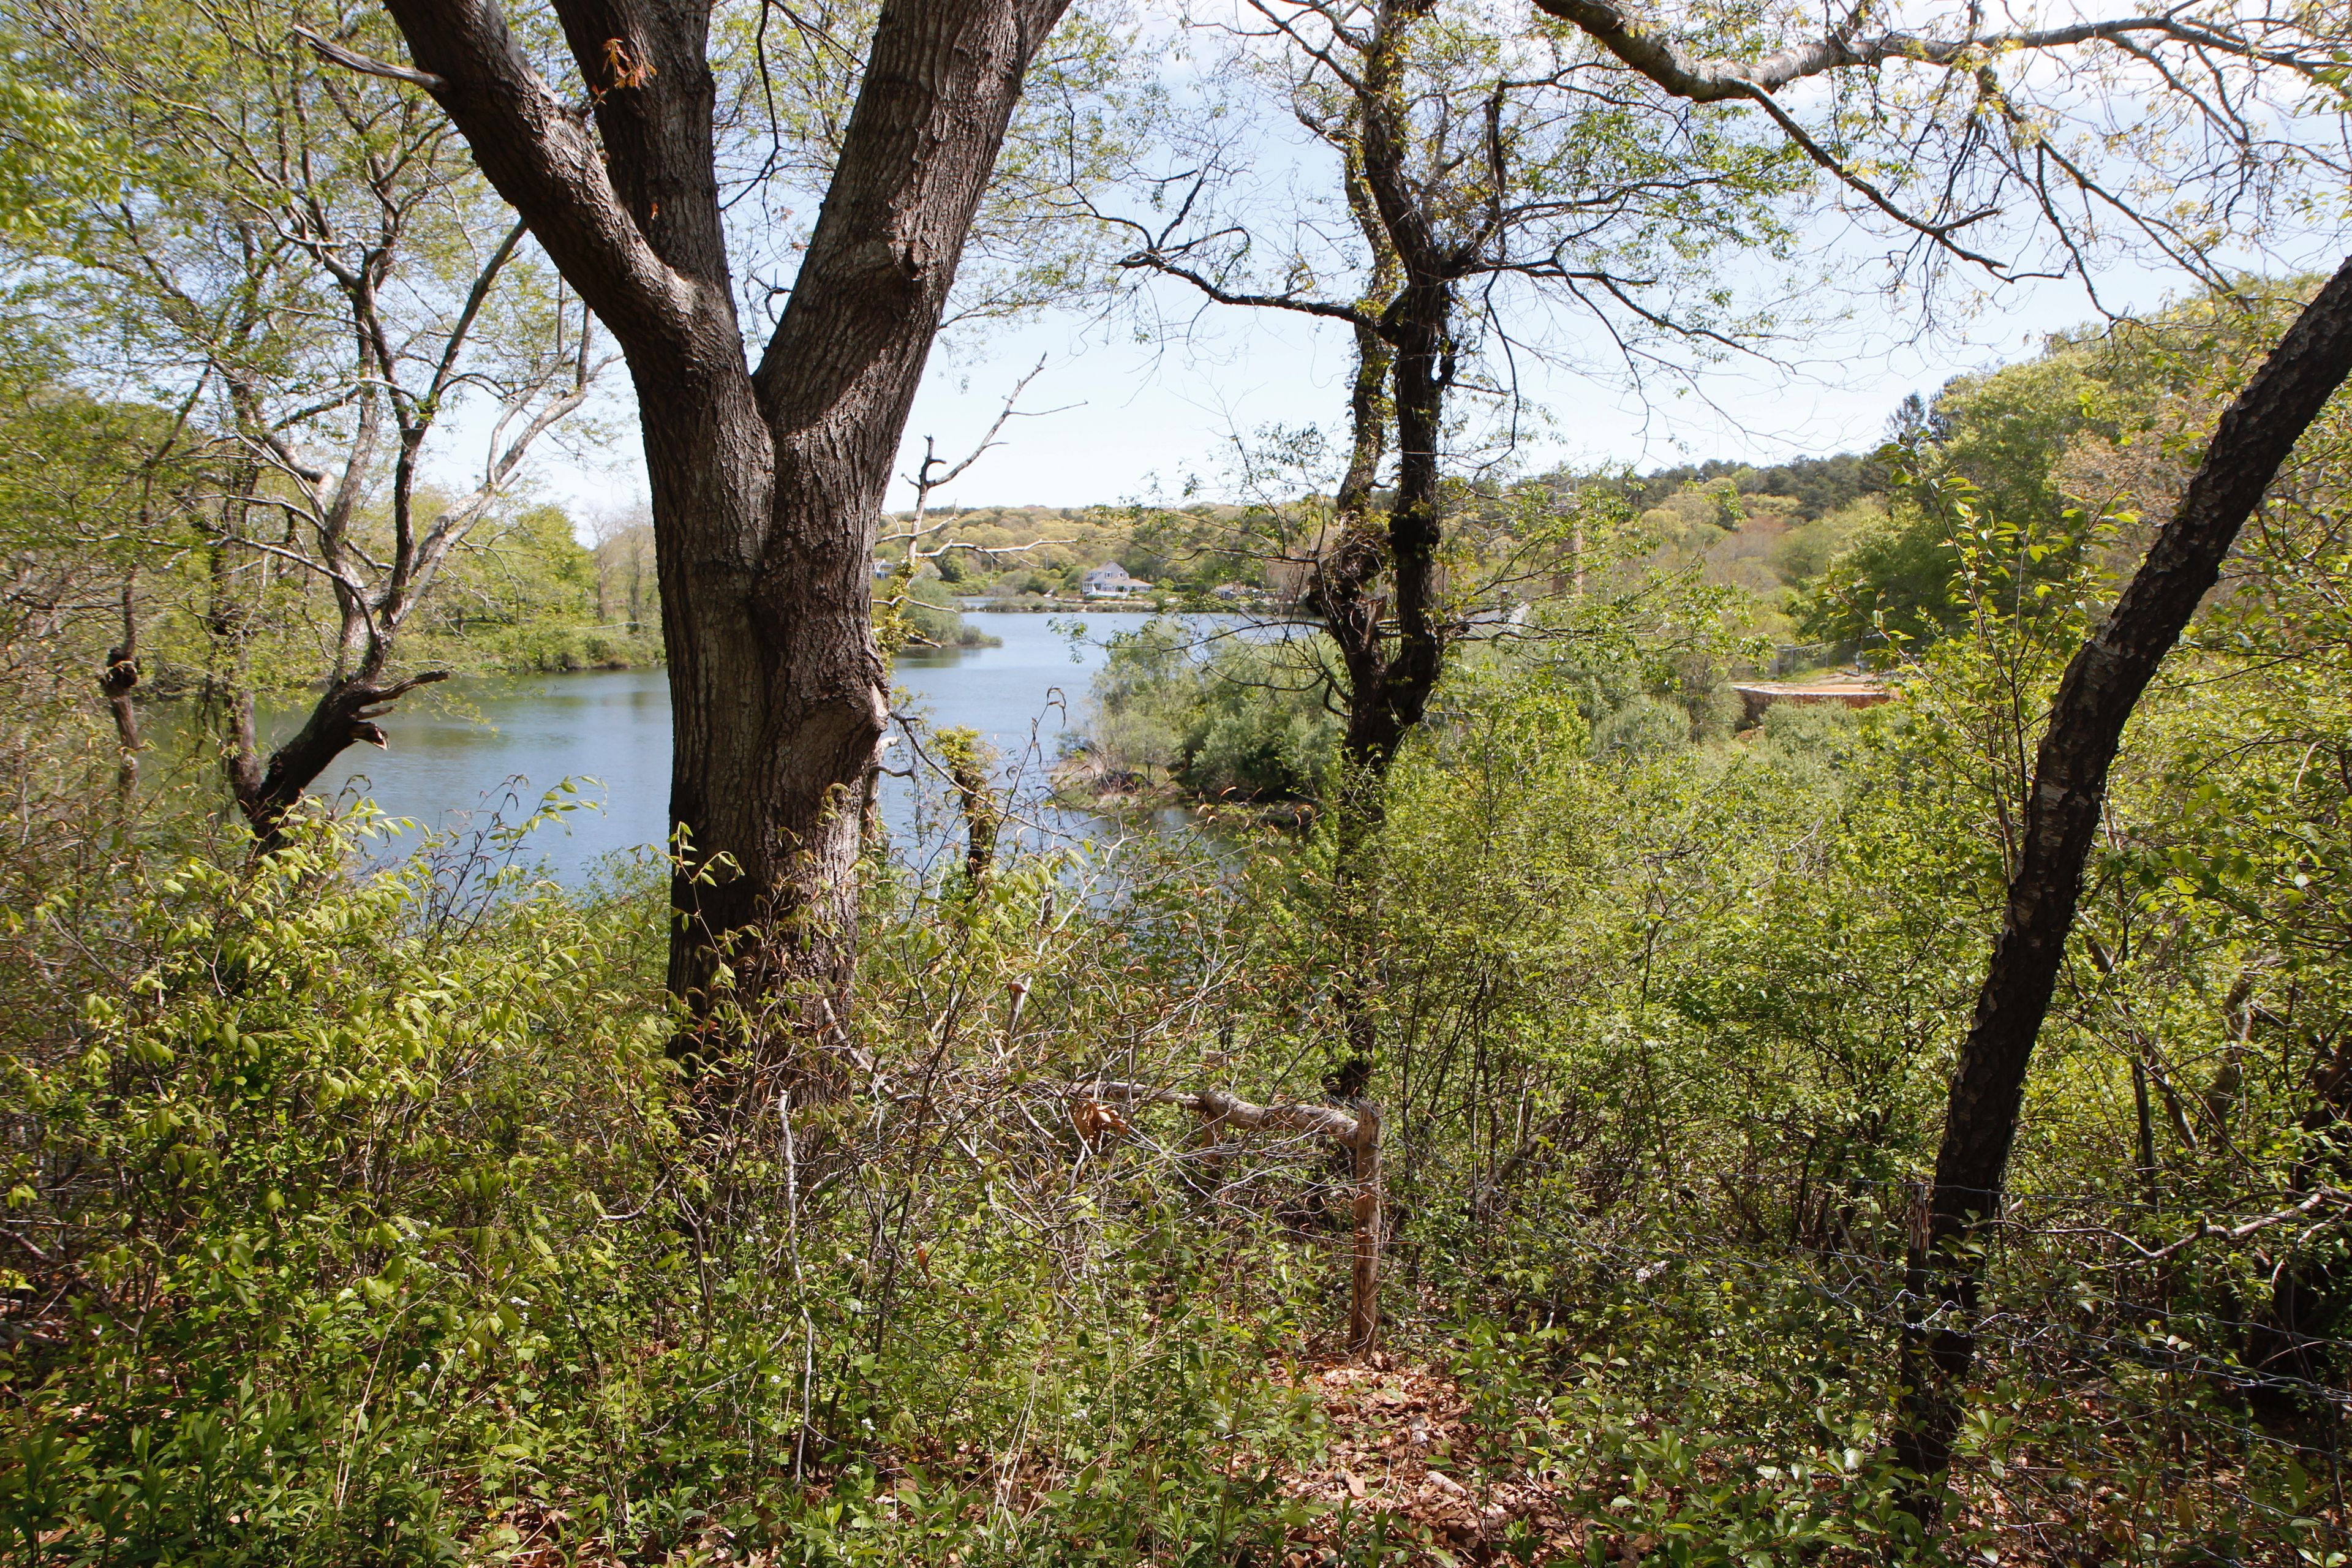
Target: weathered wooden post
[{"x": 1364, "y": 1277}]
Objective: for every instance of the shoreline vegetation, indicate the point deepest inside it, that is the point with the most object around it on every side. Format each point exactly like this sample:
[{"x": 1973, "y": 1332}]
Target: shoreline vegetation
[
  {"x": 1721, "y": 570},
  {"x": 1080, "y": 783}
]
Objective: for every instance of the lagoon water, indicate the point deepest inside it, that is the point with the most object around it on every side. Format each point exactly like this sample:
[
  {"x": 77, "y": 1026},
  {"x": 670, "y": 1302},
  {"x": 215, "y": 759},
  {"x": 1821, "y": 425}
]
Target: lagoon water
[{"x": 467, "y": 748}]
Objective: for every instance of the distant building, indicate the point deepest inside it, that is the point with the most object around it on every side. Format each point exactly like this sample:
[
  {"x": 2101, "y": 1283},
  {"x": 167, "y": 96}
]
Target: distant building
[
  {"x": 1230, "y": 591},
  {"x": 1112, "y": 582},
  {"x": 884, "y": 568}
]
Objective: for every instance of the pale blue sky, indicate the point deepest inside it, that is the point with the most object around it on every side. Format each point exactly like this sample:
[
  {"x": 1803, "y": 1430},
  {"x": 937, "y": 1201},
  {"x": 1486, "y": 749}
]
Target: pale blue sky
[{"x": 1136, "y": 420}]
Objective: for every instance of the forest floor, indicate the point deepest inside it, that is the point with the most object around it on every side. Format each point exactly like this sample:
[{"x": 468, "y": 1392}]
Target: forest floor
[
  {"x": 1398, "y": 1435},
  {"x": 1395, "y": 1469}
]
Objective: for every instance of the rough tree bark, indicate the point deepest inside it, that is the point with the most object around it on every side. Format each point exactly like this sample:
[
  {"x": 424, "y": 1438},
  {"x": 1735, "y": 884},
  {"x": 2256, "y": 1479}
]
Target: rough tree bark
[
  {"x": 767, "y": 484},
  {"x": 2094, "y": 699}
]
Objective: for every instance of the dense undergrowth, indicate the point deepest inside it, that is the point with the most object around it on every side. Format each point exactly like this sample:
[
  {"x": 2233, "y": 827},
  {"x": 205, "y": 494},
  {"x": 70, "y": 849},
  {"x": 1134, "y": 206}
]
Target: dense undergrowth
[
  {"x": 361, "y": 1217},
  {"x": 356, "y": 1213}
]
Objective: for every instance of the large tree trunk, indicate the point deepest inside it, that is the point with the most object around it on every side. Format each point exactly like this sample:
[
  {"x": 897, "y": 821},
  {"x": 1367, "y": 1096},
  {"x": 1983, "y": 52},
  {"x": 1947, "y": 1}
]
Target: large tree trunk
[
  {"x": 711, "y": 463},
  {"x": 767, "y": 486},
  {"x": 2101, "y": 687}
]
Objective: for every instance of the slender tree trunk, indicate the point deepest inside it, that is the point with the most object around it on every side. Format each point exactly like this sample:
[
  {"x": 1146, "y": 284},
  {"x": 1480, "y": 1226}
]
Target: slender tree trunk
[
  {"x": 968, "y": 760},
  {"x": 1343, "y": 594},
  {"x": 2144, "y": 1144},
  {"x": 1391, "y": 659},
  {"x": 1388, "y": 641},
  {"x": 1343, "y": 591},
  {"x": 1368, "y": 1210},
  {"x": 1390, "y": 648},
  {"x": 2095, "y": 699},
  {"x": 229, "y": 682},
  {"x": 119, "y": 678},
  {"x": 1390, "y": 684},
  {"x": 1425, "y": 372}
]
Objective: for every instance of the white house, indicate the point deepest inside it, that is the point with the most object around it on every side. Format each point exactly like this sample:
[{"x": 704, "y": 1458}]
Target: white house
[{"x": 1112, "y": 582}]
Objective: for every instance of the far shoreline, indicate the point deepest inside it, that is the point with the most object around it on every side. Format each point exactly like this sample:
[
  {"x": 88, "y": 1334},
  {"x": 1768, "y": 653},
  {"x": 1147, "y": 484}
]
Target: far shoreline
[{"x": 1137, "y": 606}]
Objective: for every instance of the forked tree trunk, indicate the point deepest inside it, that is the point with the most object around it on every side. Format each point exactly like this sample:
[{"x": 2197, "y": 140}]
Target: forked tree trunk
[
  {"x": 767, "y": 485},
  {"x": 344, "y": 716},
  {"x": 2101, "y": 687},
  {"x": 1391, "y": 645},
  {"x": 1342, "y": 591},
  {"x": 1377, "y": 594},
  {"x": 1343, "y": 594},
  {"x": 1388, "y": 643}
]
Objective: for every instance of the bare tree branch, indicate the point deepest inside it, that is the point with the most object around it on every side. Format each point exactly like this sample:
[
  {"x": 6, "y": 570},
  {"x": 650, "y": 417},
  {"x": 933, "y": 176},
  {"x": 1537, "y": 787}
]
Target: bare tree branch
[
  {"x": 1716, "y": 80},
  {"x": 336, "y": 54},
  {"x": 1155, "y": 262}
]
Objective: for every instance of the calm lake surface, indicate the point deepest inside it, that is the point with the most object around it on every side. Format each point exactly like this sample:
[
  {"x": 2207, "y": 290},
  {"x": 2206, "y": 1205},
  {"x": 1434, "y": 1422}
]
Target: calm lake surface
[{"x": 467, "y": 748}]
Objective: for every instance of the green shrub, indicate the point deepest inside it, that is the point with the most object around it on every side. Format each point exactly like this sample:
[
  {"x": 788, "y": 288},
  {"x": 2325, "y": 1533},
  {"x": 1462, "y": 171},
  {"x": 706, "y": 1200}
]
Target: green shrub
[
  {"x": 375, "y": 1229},
  {"x": 1239, "y": 720}
]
